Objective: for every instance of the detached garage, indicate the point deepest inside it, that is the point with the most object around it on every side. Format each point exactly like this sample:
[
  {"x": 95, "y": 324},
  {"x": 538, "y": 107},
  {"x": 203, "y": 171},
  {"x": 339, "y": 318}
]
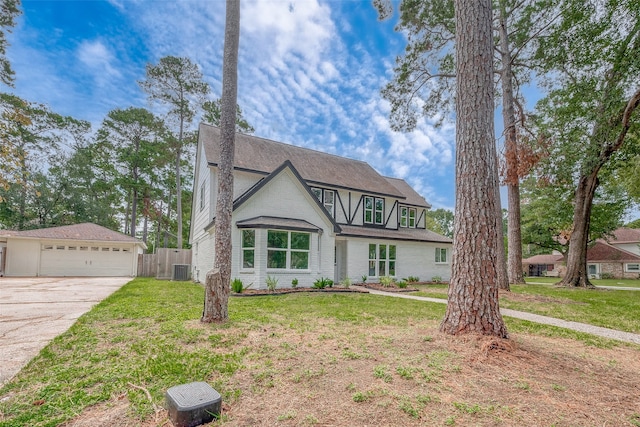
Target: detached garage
[{"x": 72, "y": 250}]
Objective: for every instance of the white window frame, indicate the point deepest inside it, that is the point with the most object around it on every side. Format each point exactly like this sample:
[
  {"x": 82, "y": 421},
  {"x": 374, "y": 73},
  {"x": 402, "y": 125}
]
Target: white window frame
[
  {"x": 244, "y": 248},
  {"x": 323, "y": 194},
  {"x": 438, "y": 257},
  {"x": 374, "y": 210},
  {"x": 412, "y": 220},
  {"x": 378, "y": 261},
  {"x": 289, "y": 251},
  {"x": 365, "y": 209},
  {"x": 202, "y": 190},
  {"x": 404, "y": 216},
  {"x": 380, "y": 211},
  {"x": 635, "y": 269}
]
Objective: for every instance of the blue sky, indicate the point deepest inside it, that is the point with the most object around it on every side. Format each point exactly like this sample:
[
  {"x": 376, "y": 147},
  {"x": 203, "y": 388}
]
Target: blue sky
[{"x": 310, "y": 72}]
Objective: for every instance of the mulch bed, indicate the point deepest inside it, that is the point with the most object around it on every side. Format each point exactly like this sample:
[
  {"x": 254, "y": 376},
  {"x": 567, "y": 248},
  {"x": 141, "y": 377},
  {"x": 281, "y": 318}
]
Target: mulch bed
[
  {"x": 336, "y": 289},
  {"x": 391, "y": 288},
  {"x": 282, "y": 291}
]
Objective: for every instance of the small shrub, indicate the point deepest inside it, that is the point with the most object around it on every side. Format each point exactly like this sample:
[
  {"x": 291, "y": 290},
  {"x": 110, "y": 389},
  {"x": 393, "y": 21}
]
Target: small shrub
[
  {"x": 237, "y": 286},
  {"x": 294, "y": 283},
  {"x": 436, "y": 279},
  {"x": 386, "y": 281},
  {"x": 364, "y": 278},
  {"x": 272, "y": 283},
  {"x": 360, "y": 396},
  {"x": 346, "y": 282},
  {"x": 606, "y": 276},
  {"x": 412, "y": 279},
  {"x": 322, "y": 283},
  {"x": 402, "y": 284}
]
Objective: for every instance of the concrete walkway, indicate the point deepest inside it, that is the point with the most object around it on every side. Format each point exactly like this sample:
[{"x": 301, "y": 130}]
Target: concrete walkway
[
  {"x": 34, "y": 310},
  {"x": 575, "y": 326}
]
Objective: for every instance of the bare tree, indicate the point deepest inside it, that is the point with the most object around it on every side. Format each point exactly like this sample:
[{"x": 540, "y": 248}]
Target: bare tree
[
  {"x": 217, "y": 283},
  {"x": 473, "y": 293}
]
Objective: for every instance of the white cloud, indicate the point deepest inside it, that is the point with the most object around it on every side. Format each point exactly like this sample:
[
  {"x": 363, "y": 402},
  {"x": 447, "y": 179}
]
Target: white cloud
[
  {"x": 99, "y": 60},
  {"x": 305, "y": 77}
]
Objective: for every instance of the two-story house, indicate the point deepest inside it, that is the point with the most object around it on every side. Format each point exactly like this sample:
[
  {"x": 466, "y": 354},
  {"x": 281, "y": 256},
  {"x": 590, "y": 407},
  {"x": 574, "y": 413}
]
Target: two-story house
[{"x": 304, "y": 214}]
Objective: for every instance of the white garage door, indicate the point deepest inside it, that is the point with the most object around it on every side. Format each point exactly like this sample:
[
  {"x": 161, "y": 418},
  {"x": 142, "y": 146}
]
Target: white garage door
[{"x": 75, "y": 260}]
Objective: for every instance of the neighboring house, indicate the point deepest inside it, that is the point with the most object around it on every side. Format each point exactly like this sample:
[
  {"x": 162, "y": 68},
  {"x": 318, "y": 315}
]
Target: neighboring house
[
  {"x": 617, "y": 256},
  {"x": 303, "y": 214},
  {"x": 543, "y": 265},
  {"x": 72, "y": 250}
]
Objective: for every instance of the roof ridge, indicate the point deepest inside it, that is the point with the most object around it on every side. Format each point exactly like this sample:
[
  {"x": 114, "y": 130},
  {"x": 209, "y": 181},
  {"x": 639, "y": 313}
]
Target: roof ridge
[{"x": 297, "y": 146}]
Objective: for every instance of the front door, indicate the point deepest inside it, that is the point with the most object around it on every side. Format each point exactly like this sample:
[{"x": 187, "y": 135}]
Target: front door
[{"x": 593, "y": 270}]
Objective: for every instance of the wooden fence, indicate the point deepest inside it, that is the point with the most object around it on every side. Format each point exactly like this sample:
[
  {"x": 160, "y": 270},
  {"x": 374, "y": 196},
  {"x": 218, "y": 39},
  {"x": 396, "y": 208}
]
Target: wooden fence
[{"x": 160, "y": 264}]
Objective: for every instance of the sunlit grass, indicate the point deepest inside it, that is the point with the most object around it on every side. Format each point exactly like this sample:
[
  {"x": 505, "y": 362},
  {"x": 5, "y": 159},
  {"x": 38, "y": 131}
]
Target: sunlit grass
[{"x": 148, "y": 335}]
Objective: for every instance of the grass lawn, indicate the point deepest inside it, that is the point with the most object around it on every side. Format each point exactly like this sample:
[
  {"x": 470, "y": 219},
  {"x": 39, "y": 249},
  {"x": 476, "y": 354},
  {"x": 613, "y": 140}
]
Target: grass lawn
[
  {"x": 616, "y": 309},
  {"x": 325, "y": 359},
  {"x": 629, "y": 283}
]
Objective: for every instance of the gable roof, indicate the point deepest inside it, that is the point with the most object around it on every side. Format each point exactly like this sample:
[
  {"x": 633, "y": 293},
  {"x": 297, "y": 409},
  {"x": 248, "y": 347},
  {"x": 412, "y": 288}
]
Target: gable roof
[
  {"x": 604, "y": 252},
  {"x": 411, "y": 196},
  {"x": 263, "y": 156},
  {"x": 625, "y": 235},
  {"x": 543, "y": 259},
  {"x": 85, "y": 231},
  {"x": 243, "y": 198}
]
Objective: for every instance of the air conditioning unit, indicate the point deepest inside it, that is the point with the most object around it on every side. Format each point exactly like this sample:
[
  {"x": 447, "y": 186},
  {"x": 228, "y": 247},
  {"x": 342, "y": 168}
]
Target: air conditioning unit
[{"x": 181, "y": 272}]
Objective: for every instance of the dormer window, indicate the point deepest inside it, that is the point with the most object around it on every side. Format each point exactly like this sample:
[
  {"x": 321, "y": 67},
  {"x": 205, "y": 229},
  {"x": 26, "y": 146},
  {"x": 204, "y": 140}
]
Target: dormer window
[
  {"x": 327, "y": 198},
  {"x": 407, "y": 217},
  {"x": 373, "y": 210}
]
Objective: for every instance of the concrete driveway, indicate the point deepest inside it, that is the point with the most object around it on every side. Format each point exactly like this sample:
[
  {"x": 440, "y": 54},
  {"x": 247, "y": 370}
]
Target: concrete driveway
[{"x": 35, "y": 310}]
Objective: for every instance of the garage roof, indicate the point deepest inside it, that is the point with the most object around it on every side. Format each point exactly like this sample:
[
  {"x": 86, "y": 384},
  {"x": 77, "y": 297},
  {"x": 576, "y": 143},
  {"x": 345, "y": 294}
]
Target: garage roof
[{"x": 85, "y": 231}]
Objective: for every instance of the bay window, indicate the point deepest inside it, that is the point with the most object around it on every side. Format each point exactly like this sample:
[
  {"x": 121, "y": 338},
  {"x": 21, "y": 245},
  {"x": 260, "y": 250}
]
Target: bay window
[{"x": 288, "y": 250}]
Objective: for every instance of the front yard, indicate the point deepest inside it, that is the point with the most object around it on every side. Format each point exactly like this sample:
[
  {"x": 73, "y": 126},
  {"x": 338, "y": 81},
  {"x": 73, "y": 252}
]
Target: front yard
[
  {"x": 615, "y": 309},
  {"x": 319, "y": 359}
]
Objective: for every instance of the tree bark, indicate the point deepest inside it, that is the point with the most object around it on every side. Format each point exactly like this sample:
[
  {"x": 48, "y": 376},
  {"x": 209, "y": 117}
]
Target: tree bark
[
  {"x": 502, "y": 276},
  {"x": 179, "y": 186},
  {"x": 577, "y": 274},
  {"x": 473, "y": 292},
  {"x": 514, "y": 236},
  {"x": 218, "y": 280}
]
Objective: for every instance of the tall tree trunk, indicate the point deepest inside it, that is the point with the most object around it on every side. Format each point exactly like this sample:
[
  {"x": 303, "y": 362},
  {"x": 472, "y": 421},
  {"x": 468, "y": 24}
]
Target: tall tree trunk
[
  {"x": 145, "y": 227},
  {"x": 502, "y": 276},
  {"x": 24, "y": 175},
  {"x": 473, "y": 293},
  {"x": 166, "y": 228},
  {"x": 218, "y": 280},
  {"x": 577, "y": 274},
  {"x": 127, "y": 214},
  {"x": 514, "y": 236},
  {"x": 158, "y": 229},
  {"x": 134, "y": 208},
  {"x": 179, "y": 188},
  {"x": 134, "y": 201},
  {"x": 608, "y": 144}
]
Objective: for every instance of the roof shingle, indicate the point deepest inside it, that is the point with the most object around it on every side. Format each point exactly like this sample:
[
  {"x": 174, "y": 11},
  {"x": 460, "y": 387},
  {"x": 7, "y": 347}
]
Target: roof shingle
[
  {"x": 264, "y": 156},
  {"x": 408, "y": 234},
  {"x": 604, "y": 252},
  {"x": 85, "y": 231}
]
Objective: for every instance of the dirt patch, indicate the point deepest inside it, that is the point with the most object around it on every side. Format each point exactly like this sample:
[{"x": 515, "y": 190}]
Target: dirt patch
[
  {"x": 412, "y": 375},
  {"x": 115, "y": 413}
]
